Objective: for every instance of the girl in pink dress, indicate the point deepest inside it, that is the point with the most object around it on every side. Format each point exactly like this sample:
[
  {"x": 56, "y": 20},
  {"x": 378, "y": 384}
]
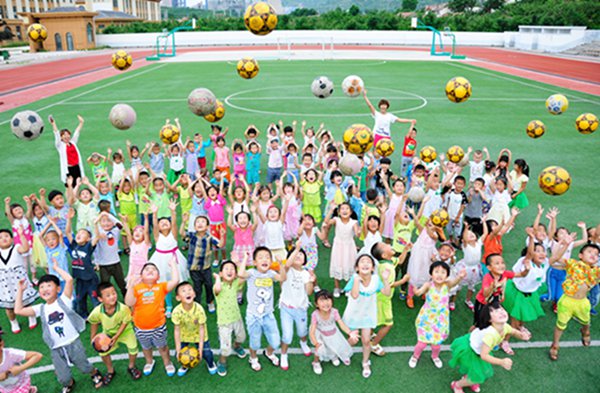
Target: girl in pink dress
[
  {"x": 290, "y": 192},
  {"x": 239, "y": 162},
  {"x": 139, "y": 245},
  {"x": 397, "y": 201},
  {"x": 13, "y": 365},
  {"x": 215, "y": 210},
  {"x": 243, "y": 234},
  {"x": 16, "y": 216}
]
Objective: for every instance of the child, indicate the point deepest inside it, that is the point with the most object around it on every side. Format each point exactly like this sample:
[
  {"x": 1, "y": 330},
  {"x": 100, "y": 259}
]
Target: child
[
  {"x": 361, "y": 311},
  {"x": 84, "y": 201},
  {"x": 135, "y": 157},
  {"x": 221, "y": 161},
  {"x": 473, "y": 212},
  {"x": 312, "y": 184},
  {"x": 519, "y": 177},
  {"x": 115, "y": 319},
  {"x": 582, "y": 275},
  {"x": 253, "y": 157},
  {"x": 127, "y": 207},
  {"x": 307, "y": 234},
  {"x": 106, "y": 255},
  {"x": 325, "y": 335},
  {"x": 260, "y": 318},
  {"x": 189, "y": 321},
  {"x": 39, "y": 219},
  {"x": 492, "y": 243},
  {"x": 500, "y": 209},
  {"x": 397, "y": 201},
  {"x": 239, "y": 197},
  {"x": 140, "y": 244},
  {"x": 71, "y": 163},
  {"x": 504, "y": 159},
  {"x": 159, "y": 197},
  {"x": 263, "y": 203},
  {"x": 61, "y": 327},
  {"x": 343, "y": 252},
  {"x": 181, "y": 189},
  {"x": 371, "y": 231},
  {"x": 12, "y": 271},
  {"x": 297, "y": 285},
  {"x": 16, "y": 216},
  {"x": 146, "y": 296},
  {"x": 370, "y": 207},
  {"x": 99, "y": 166},
  {"x": 200, "y": 147},
  {"x": 229, "y": 318},
  {"x": 56, "y": 248},
  {"x": 433, "y": 321},
  {"x": 14, "y": 363},
  {"x": 273, "y": 230},
  {"x": 275, "y": 164},
  {"x": 243, "y": 230},
  {"x": 292, "y": 166},
  {"x": 289, "y": 194},
  {"x": 192, "y": 169},
  {"x": 215, "y": 210},
  {"x": 455, "y": 203},
  {"x": 58, "y": 209},
  {"x": 157, "y": 159},
  {"x": 477, "y": 165},
  {"x": 471, "y": 352},
  {"x": 239, "y": 161}
]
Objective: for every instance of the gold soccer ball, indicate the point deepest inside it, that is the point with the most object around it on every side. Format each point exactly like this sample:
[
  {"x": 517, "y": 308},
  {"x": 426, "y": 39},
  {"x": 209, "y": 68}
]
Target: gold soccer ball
[
  {"x": 385, "y": 147},
  {"x": 189, "y": 357},
  {"x": 37, "y": 32},
  {"x": 458, "y": 89},
  {"x": 586, "y": 123},
  {"x": 455, "y": 154},
  {"x": 121, "y": 60},
  {"x": 554, "y": 180},
  {"x": 260, "y": 18},
  {"x": 428, "y": 154},
  {"x": 440, "y": 218},
  {"x": 217, "y": 114},
  {"x": 169, "y": 134},
  {"x": 358, "y": 139},
  {"x": 535, "y": 129},
  {"x": 247, "y": 68}
]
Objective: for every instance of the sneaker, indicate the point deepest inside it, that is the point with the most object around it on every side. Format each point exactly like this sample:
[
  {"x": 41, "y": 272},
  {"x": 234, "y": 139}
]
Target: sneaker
[
  {"x": 255, "y": 364},
  {"x": 410, "y": 303},
  {"x": 593, "y": 312},
  {"x": 169, "y": 311},
  {"x": 221, "y": 369},
  {"x": 32, "y": 323},
  {"x": 402, "y": 295},
  {"x": 148, "y": 368},
  {"x": 438, "y": 362},
  {"x": 182, "y": 371},
  {"x": 317, "y": 368},
  {"x": 216, "y": 263},
  {"x": 336, "y": 292},
  {"x": 211, "y": 308},
  {"x": 170, "y": 370},
  {"x": 475, "y": 388},
  {"x": 14, "y": 326},
  {"x": 545, "y": 297},
  {"x": 272, "y": 358},
  {"x": 412, "y": 362},
  {"x": 239, "y": 351},
  {"x": 305, "y": 348},
  {"x": 284, "y": 364},
  {"x": 316, "y": 289},
  {"x": 335, "y": 362},
  {"x": 470, "y": 304},
  {"x": 452, "y": 306},
  {"x": 212, "y": 370},
  {"x": 69, "y": 389}
]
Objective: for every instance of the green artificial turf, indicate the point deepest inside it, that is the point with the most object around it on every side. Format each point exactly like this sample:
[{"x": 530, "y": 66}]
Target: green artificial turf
[{"x": 495, "y": 117}]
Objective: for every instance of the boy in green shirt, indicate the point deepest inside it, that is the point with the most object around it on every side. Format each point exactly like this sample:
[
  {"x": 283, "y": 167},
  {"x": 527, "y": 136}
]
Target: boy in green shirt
[{"x": 99, "y": 167}]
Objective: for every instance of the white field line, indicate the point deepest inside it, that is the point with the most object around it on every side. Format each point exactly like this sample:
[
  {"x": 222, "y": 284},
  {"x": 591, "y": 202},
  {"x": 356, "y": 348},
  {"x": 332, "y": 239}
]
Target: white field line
[{"x": 392, "y": 349}]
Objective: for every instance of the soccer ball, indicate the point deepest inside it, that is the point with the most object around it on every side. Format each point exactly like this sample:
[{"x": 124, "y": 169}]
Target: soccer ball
[
  {"x": 535, "y": 129},
  {"x": 101, "y": 342},
  {"x": 458, "y": 89},
  {"x": 353, "y": 86},
  {"x": 385, "y": 147},
  {"x": 557, "y": 104},
  {"x": 121, "y": 60},
  {"x": 189, "y": 357},
  {"x": 202, "y": 101},
  {"x": 455, "y": 154},
  {"x": 428, "y": 154},
  {"x": 586, "y": 123},
  {"x": 358, "y": 139},
  {"x": 247, "y": 68},
  {"x": 122, "y": 116},
  {"x": 416, "y": 194},
  {"x": 37, "y": 32},
  {"x": 440, "y": 218},
  {"x": 169, "y": 134},
  {"x": 260, "y": 18},
  {"x": 322, "y": 87},
  {"x": 554, "y": 180},
  {"x": 218, "y": 113},
  {"x": 350, "y": 164},
  {"x": 27, "y": 125}
]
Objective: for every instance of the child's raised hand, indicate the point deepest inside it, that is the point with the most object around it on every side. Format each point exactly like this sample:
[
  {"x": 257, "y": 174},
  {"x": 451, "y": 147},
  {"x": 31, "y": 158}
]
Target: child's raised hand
[
  {"x": 514, "y": 211},
  {"x": 42, "y": 192},
  {"x": 217, "y": 277},
  {"x": 26, "y": 198},
  {"x": 7, "y": 201},
  {"x": 154, "y": 208},
  {"x": 530, "y": 232},
  {"x": 71, "y": 213},
  {"x": 172, "y": 205},
  {"x": 540, "y": 209},
  {"x": 223, "y": 231},
  {"x": 70, "y": 181},
  {"x": 22, "y": 285},
  {"x": 506, "y": 364},
  {"x": 581, "y": 225},
  {"x": 80, "y": 118}
]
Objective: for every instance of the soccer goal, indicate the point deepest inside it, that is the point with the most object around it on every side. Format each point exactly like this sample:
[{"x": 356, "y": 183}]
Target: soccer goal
[{"x": 306, "y": 47}]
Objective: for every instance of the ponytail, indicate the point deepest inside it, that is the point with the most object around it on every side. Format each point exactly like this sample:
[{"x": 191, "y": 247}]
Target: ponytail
[{"x": 523, "y": 165}]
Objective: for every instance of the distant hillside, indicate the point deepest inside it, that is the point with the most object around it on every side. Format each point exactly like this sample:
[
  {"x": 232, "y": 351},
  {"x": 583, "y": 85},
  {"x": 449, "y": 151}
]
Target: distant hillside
[{"x": 328, "y": 5}]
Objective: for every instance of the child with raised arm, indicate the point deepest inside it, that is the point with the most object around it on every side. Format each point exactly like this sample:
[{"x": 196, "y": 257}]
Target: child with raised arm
[
  {"x": 18, "y": 220},
  {"x": 61, "y": 327},
  {"x": 55, "y": 245},
  {"x": 273, "y": 224},
  {"x": 127, "y": 206},
  {"x": 146, "y": 296},
  {"x": 139, "y": 244},
  {"x": 58, "y": 209},
  {"x": 253, "y": 156},
  {"x": 84, "y": 199},
  {"x": 14, "y": 363},
  {"x": 118, "y": 167},
  {"x": 106, "y": 232},
  {"x": 215, "y": 210},
  {"x": 99, "y": 165}
]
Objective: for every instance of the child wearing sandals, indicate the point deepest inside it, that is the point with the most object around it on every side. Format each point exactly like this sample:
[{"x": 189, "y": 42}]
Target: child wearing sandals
[
  {"x": 13, "y": 369},
  {"x": 325, "y": 335}
]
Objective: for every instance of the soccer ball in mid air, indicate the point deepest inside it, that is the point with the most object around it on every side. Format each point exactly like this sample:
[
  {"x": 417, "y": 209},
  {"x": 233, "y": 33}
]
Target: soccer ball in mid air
[
  {"x": 202, "y": 101},
  {"x": 260, "y": 18},
  {"x": 428, "y": 154},
  {"x": 247, "y": 68},
  {"x": 350, "y": 164},
  {"x": 189, "y": 357},
  {"x": 27, "y": 125},
  {"x": 455, "y": 154},
  {"x": 169, "y": 134},
  {"x": 440, "y": 218},
  {"x": 121, "y": 60},
  {"x": 322, "y": 87},
  {"x": 458, "y": 89},
  {"x": 37, "y": 32},
  {"x": 557, "y": 104},
  {"x": 122, "y": 116},
  {"x": 535, "y": 129},
  {"x": 217, "y": 114},
  {"x": 385, "y": 147},
  {"x": 358, "y": 139},
  {"x": 586, "y": 123},
  {"x": 353, "y": 86},
  {"x": 554, "y": 180}
]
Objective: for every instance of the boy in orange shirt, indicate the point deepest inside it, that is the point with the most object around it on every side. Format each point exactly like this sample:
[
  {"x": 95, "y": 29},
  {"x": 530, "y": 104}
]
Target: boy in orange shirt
[{"x": 147, "y": 298}]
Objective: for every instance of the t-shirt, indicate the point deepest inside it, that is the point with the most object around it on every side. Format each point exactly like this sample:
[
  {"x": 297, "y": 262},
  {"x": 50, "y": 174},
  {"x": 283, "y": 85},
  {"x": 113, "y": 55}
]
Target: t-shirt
[
  {"x": 454, "y": 201},
  {"x": 579, "y": 273},
  {"x": 58, "y": 253},
  {"x": 12, "y": 357},
  {"x": 253, "y": 161},
  {"x": 476, "y": 169},
  {"x": 273, "y": 231},
  {"x": 474, "y": 208},
  {"x": 215, "y": 209},
  {"x": 293, "y": 289},
  {"x": 410, "y": 146},
  {"x": 143, "y": 200},
  {"x": 81, "y": 260},
  {"x": 60, "y": 216},
  {"x": 189, "y": 322},
  {"x": 86, "y": 214},
  {"x": 488, "y": 280},
  {"x": 176, "y": 162},
  {"x": 222, "y": 157},
  {"x": 149, "y": 309},
  {"x": 99, "y": 171},
  {"x": 488, "y": 336},
  {"x": 72, "y": 155},
  {"x": 229, "y": 310},
  {"x": 201, "y": 148},
  {"x": 533, "y": 280},
  {"x": 62, "y": 331},
  {"x": 275, "y": 157},
  {"x": 517, "y": 181},
  {"x": 379, "y": 181},
  {"x": 383, "y": 123},
  {"x": 162, "y": 201},
  {"x": 260, "y": 292},
  {"x": 402, "y": 235},
  {"x": 157, "y": 162},
  {"x": 492, "y": 245},
  {"x": 112, "y": 323},
  {"x": 127, "y": 205},
  {"x": 107, "y": 249}
]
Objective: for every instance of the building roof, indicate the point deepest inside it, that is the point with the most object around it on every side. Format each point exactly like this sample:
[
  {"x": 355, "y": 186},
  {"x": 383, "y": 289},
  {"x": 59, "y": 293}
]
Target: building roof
[{"x": 101, "y": 13}]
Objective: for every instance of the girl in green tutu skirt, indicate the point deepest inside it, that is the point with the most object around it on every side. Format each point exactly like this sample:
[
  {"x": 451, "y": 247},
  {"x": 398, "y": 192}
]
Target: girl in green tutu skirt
[
  {"x": 471, "y": 353},
  {"x": 519, "y": 177}
]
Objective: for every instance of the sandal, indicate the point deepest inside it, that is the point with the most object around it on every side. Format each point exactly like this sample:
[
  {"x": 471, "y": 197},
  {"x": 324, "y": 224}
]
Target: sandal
[
  {"x": 506, "y": 348},
  {"x": 108, "y": 377},
  {"x": 554, "y": 353},
  {"x": 366, "y": 369},
  {"x": 326, "y": 244},
  {"x": 97, "y": 379},
  {"x": 586, "y": 338},
  {"x": 377, "y": 350},
  {"x": 135, "y": 373},
  {"x": 455, "y": 388},
  {"x": 33, "y": 389}
]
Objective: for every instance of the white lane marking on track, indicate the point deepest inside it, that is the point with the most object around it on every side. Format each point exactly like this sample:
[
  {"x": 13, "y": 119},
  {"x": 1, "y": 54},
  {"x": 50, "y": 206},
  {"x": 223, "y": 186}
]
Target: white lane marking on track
[
  {"x": 392, "y": 349},
  {"x": 326, "y": 61}
]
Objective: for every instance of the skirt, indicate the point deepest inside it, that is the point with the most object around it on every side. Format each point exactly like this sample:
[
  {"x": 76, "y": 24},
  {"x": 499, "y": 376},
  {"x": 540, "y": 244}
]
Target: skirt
[
  {"x": 524, "y": 307},
  {"x": 9, "y": 282},
  {"x": 520, "y": 201},
  {"x": 40, "y": 259},
  {"x": 334, "y": 346},
  {"x": 468, "y": 362},
  {"x": 312, "y": 256}
]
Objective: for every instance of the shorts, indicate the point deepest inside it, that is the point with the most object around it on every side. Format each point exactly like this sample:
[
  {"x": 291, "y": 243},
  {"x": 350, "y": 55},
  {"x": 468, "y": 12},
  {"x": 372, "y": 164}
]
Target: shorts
[
  {"x": 225, "y": 331},
  {"x": 279, "y": 254},
  {"x": 289, "y": 317},
  {"x": 202, "y": 162},
  {"x": 153, "y": 338},
  {"x": 226, "y": 170},
  {"x": 385, "y": 315},
  {"x": 253, "y": 177},
  {"x": 273, "y": 174},
  {"x": 128, "y": 339},
  {"x": 454, "y": 230},
  {"x": 569, "y": 307},
  {"x": 215, "y": 231},
  {"x": 259, "y": 324}
]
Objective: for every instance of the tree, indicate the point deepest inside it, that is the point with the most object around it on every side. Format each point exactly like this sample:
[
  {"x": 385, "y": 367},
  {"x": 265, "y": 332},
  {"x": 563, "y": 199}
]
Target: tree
[
  {"x": 461, "y": 5},
  {"x": 354, "y": 10},
  {"x": 490, "y": 5},
  {"x": 409, "y": 5}
]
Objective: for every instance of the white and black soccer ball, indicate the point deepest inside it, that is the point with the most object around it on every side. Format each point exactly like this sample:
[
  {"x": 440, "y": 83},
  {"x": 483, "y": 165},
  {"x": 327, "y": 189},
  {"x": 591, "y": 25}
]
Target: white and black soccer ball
[
  {"x": 27, "y": 125},
  {"x": 322, "y": 87}
]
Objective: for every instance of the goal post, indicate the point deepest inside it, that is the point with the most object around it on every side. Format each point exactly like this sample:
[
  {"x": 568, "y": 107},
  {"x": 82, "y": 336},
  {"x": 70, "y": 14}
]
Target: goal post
[{"x": 288, "y": 47}]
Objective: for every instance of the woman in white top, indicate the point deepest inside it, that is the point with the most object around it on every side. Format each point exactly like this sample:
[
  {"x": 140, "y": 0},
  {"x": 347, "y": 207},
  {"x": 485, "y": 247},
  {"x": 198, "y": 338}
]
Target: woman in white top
[
  {"x": 71, "y": 163},
  {"x": 519, "y": 177},
  {"x": 383, "y": 119}
]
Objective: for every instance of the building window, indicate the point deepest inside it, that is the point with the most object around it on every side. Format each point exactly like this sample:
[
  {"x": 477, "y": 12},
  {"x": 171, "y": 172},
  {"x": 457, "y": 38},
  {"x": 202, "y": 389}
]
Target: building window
[
  {"x": 90, "y": 33},
  {"x": 70, "y": 41},
  {"x": 115, "y": 4},
  {"x": 58, "y": 42},
  {"x": 18, "y": 32}
]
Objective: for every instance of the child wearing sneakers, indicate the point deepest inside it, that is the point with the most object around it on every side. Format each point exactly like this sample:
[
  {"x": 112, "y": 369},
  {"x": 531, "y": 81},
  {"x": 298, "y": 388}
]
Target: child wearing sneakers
[
  {"x": 61, "y": 327},
  {"x": 147, "y": 298},
  {"x": 115, "y": 319},
  {"x": 189, "y": 320}
]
